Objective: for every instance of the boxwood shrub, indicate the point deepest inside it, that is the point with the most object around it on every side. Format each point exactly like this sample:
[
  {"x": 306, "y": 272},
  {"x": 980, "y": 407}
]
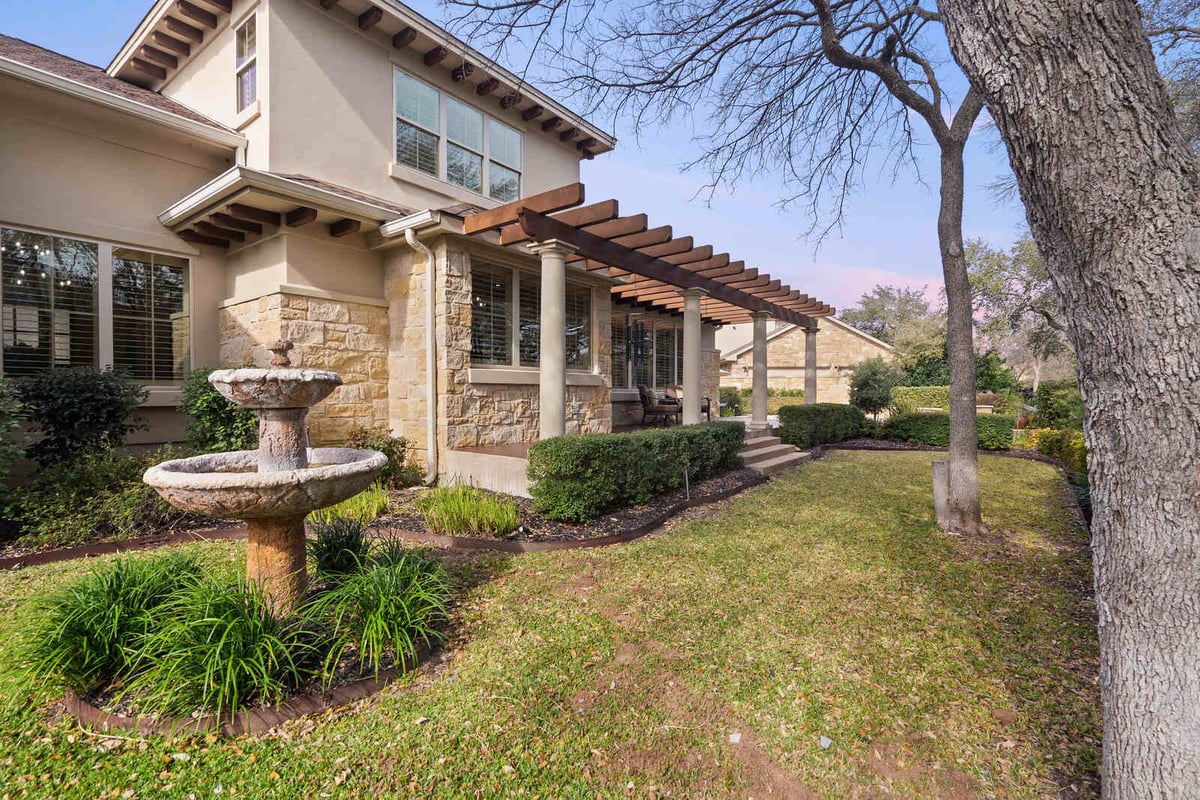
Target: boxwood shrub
[
  {"x": 576, "y": 478},
  {"x": 907, "y": 399},
  {"x": 995, "y": 431},
  {"x": 820, "y": 423}
]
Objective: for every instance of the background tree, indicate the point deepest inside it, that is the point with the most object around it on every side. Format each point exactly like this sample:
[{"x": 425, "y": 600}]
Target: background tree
[
  {"x": 886, "y": 312},
  {"x": 1174, "y": 26},
  {"x": 809, "y": 89},
  {"x": 1015, "y": 303},
  {"x": 1112, "y": 192},
  {"x": 871, "y": 384}
]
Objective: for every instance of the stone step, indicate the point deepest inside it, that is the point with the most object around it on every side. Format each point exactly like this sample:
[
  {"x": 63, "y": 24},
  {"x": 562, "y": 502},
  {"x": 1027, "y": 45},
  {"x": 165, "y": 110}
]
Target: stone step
[
  {"x": 757, "y": 433},
  {"x": 782, "y": 463},
  {"x": 749, "y": 459},
  {"x": 758, "y": 443}
]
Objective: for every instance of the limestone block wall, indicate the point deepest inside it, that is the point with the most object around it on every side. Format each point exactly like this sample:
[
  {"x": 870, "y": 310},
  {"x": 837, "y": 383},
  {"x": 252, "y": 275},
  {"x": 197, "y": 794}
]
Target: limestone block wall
[
  {"x": 710, "y": 375},
  {"x": 406, "y": 277},
  {"x": 474, "y": 414},
  {"x": 346, "y": 337},
  {"x": 839, "y": 348}
]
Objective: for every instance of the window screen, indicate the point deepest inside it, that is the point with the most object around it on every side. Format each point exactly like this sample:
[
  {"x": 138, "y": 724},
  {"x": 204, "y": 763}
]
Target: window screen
[
  {"x": 491, "y": 315},
  {"x": 579, "y": 327}
]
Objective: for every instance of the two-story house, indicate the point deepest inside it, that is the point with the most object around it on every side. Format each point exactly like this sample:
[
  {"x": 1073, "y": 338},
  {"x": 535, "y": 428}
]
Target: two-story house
[{"x": 249, "y": 170}]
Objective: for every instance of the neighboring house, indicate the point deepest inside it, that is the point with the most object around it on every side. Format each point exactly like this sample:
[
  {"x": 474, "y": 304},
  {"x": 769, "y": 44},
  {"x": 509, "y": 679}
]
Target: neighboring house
[
  {"x": 841, "y": 346},
  {"x": 248, "y": 171}
]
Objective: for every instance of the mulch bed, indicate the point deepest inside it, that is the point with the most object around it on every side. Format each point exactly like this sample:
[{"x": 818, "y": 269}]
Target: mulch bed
[{"x": 537, "y": 534}]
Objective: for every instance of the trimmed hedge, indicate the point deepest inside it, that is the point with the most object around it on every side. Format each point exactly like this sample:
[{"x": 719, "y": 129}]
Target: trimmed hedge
[
  {"x": 820, "y": 423},
  {"x": 995, "y": 431},
  {"x": 907, "y": 399},
  {"x": 577, "y": 478}
]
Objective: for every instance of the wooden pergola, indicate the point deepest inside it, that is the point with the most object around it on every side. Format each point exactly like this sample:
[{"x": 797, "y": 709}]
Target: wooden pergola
[
  {"x": 655, "y": 263},
  {"x": 659, "y": 272}
]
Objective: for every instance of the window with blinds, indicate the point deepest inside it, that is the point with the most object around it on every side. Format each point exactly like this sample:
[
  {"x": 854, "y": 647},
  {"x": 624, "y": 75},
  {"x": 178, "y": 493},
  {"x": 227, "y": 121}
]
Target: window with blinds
[
  {"x": 491, "y": 315},
  {"x": 620, "y": 363},
  {"x": 578, "y": 319},
  {"x": 49, "y": 302},
  {"x": 246, "y": 63},
  {"x": 150, "y": 319},
  {"x": 418, "y": 123},
  {"x": 664, "y": 357},
  {"x": 529, "y": 326}
]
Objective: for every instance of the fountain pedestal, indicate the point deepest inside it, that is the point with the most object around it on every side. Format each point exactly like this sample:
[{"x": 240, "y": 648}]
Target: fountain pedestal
[{"x": 273, "y": 488}]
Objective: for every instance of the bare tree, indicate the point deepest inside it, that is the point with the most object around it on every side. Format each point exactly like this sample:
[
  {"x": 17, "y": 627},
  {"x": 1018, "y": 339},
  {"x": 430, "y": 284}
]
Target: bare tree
[
  {"x": 1112, "y": 191},
  {"x": 809, "y": 90}
]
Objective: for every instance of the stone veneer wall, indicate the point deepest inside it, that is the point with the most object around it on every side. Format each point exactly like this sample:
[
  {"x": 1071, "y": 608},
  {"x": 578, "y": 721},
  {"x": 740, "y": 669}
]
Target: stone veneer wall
[
  {"x": 349, "y": 338},
  {"x": 838, "y": 350},
  {"x": 487, "y": 415}
]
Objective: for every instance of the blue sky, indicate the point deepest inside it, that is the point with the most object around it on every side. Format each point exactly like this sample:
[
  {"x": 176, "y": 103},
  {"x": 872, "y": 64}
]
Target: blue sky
[{"x": 887, "y": 237}]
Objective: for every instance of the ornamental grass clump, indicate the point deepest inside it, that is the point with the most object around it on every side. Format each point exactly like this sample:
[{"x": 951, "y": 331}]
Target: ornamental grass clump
[
  {"x": 339, "y": 548},
  {"x": 220, "y": 647},
  {"x": 90, "y": 631},
  {"x": 463, "y": 509},
  {"x": 389, "y": 610},
  {"x": 364, "y": 507}
]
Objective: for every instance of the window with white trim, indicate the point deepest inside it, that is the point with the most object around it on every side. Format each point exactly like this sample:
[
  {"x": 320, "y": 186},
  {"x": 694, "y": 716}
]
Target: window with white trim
[
  {"x": 58, "y": 309},
  {"x": 455, "y": 142},
  {"x": 502, "y": 296},
  {"x": 246, "y": 62}
]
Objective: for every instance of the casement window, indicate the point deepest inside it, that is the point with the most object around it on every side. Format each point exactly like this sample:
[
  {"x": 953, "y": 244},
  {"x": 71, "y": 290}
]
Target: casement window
[
  {"x": 646, "y": 352},
  {"x": 73, "y": 303},
  {"x": 454, "y": 142},
  {"x": 506, "y": 319},
  {"x": 246, "y": 62}
]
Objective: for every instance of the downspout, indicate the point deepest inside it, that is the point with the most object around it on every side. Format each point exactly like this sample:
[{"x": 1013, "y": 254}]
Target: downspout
[{"x": 431, "y": 447}]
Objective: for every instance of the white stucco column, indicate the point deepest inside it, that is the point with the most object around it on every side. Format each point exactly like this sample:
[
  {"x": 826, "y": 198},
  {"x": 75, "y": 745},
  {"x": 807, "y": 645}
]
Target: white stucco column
[
  {"x": 810, "y": 365},
  {"x": 692, "y": 378},
  {"x": 552, "y": 356},
  {"x": 758, "y": 397}
]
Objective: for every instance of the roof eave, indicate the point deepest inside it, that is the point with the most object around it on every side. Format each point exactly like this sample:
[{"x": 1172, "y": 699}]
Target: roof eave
[{"x": 193, "y": 128}]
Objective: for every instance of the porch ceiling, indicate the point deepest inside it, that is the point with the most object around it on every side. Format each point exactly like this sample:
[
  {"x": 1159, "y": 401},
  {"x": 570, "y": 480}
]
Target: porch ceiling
[{"x": 654, "y": 263}]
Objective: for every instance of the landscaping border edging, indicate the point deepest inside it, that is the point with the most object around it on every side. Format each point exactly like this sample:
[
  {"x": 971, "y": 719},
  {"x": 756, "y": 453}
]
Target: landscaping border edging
[
  {"x": 469, "y": 543},
  {"x": 36, "y": 558}
]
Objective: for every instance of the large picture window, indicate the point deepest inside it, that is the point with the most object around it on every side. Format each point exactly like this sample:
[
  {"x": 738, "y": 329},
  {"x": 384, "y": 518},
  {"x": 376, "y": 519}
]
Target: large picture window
[
  {"x": 506, "y": 319},
  {"x": 452, "y": 141},
  {"x": 646, "y": 352},
  {"x": 55, "y": 314}
]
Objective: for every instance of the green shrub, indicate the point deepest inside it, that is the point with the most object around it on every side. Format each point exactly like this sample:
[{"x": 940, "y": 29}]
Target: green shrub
[
  {"x": 99, "y": 495},
  {"x": 1059, "y": 405},
  {"x": 871, "y": 384},
  {"x": 387, "y": 610},
  {"x": 364, "y": 507},
  {"x": 401, "y": 470},
  {"x": 12, "y": 443},
  {"x": 463, "y": 509},
  {"x": 820, "y": 423},
  {"x": 78, "y": 409},
  {"x": 219, "y": 647},
  {"x": 907, "y": 399},
  {"x": 995, "y": 431},
  {"x": 87, "y": 631},
  {"x": 339, "y": 548},
  {"x": 731, "y": 401},
  {"x": 1067, "y": 446},
  {"x": 215, "y": 424},
  {"x": 576, "y": 478}
]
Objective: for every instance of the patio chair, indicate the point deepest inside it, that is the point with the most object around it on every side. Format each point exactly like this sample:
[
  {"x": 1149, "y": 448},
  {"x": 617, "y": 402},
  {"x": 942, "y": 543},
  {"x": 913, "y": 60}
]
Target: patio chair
[
  {"x": 676, "y": 392},
  {"x": 653, "y": 407}
]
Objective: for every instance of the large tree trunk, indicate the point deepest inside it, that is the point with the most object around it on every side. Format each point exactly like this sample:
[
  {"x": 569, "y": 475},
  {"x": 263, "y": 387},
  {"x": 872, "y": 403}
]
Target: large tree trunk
[
  {"x": 1111, "y": 194},
  {"x": 964, "y": 514}
]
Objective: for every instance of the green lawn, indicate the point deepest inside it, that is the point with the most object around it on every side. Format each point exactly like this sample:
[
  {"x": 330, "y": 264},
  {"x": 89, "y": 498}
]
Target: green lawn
[{"x": 709, "y": 660}]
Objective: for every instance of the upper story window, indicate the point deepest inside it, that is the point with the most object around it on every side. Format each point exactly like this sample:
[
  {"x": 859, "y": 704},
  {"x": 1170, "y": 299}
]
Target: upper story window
[
  {"x": 247, "y": 63},
  {"x": 452, "y": 141},
  {"x": 55, "y": 314}
]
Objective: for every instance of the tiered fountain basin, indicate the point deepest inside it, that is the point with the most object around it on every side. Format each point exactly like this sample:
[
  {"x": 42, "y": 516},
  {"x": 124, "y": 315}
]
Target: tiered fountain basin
[{"x": 275, "y": 487}]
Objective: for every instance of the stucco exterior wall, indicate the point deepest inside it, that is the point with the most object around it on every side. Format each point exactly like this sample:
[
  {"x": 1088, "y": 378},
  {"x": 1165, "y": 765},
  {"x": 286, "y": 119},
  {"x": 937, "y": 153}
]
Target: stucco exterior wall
[
  {"x": 333, "y": 116},
  {"x": 838, "y": 349},
  {"x": 75, "y": 169}
]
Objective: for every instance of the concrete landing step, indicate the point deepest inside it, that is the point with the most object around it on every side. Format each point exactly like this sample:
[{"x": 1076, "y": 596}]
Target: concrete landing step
[
  {"x": 759, "y": 455},
  {"x": 782, "y": 463}
]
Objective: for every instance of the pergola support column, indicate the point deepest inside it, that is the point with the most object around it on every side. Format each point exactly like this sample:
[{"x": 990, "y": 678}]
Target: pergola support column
[
  {"x": 552, "y": 369},
  {"x": 810, "y": 365},
  {"x": 691, "y": 354},
  {"x": 758, "y": 397}
]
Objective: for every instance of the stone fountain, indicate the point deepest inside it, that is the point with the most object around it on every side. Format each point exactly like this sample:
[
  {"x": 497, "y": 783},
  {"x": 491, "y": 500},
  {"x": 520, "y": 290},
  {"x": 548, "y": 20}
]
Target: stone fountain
[{"x": 275, "y": 487}]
